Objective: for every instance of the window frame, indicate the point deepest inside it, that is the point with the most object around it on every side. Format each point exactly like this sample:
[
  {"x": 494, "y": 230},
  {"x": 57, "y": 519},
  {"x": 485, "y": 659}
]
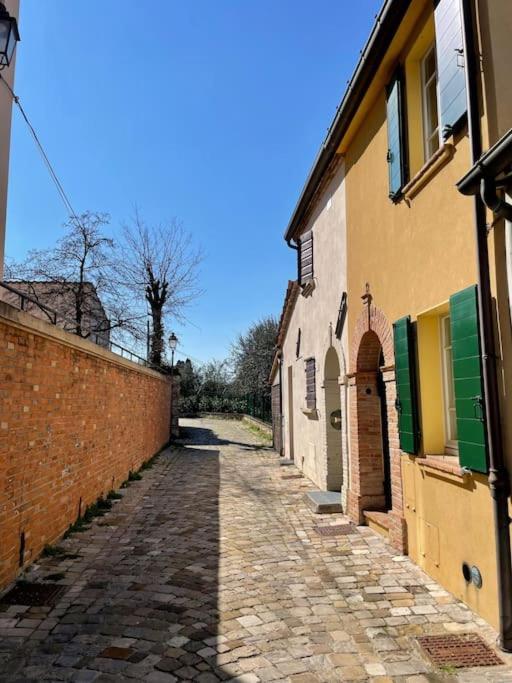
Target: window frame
[
  {"x": 428, "y": 136},
  {"x": 451, "y": 440}
]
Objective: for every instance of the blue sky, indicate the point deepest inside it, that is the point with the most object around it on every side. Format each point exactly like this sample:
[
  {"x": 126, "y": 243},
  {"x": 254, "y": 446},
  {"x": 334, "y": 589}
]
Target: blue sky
[{"x": 208, "y": 110}]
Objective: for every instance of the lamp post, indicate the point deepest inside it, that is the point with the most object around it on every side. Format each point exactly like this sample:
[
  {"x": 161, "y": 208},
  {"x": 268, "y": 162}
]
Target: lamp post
[
  {"x": 173, "y": 343},
  {"x": 9, "y": 36}
]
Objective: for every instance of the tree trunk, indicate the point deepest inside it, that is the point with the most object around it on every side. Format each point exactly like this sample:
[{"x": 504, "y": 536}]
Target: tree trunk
[{"x": 157, "y": 335}]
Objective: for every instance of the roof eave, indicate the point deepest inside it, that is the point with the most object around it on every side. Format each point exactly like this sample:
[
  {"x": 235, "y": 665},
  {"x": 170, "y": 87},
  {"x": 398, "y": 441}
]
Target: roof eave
[
  {"x": 495, "y": 161},
  {"x": 386, "y": 24}
]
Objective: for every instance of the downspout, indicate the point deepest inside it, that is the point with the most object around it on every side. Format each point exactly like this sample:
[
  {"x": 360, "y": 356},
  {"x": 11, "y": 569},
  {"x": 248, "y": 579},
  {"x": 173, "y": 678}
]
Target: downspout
[
  {"x": 297, "y": 249},
  {"x": 281, "y": 416},
  {"x": 508, "y": 247},
  {"x": 498, "y": 476}
]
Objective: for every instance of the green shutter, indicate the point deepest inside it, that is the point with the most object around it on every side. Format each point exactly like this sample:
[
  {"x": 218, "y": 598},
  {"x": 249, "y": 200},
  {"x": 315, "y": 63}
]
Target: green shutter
[
  {"x": 468, "y": 382},
  {"x": 396, "y": 157},
  {"x": 405, "y": 373}
]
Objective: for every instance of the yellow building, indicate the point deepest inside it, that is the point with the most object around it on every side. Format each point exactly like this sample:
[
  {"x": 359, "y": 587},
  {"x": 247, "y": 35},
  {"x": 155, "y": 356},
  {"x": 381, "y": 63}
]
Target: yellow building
[{"x": 416, "y": 116}]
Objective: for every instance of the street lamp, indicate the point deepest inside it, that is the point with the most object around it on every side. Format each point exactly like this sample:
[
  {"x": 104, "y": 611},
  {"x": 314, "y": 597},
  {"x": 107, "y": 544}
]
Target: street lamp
[
  {"x": 9, "y": 36},
  {"x": 173, "y": 343}
]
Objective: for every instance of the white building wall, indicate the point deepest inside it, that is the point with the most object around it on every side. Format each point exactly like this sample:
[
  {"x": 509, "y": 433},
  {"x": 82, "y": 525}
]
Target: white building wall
[{"x": 316, "y": 316}]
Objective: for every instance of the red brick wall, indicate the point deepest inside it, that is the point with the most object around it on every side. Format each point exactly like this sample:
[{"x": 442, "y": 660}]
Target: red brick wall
[{"x": 74, "y": 420}]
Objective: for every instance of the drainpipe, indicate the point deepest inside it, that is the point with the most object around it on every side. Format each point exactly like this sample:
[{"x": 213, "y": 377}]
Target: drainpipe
[
  {"x": 508, "y": 247},
  {"x": 297, "y": 249},
  {"x": 281, "y": 415},
  {"x": 498, "y": 476}
]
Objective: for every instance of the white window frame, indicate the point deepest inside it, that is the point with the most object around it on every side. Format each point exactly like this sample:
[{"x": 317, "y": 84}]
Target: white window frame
[
  {"x": 451, "y": 443},
  {"x": 428, "y": 136}
]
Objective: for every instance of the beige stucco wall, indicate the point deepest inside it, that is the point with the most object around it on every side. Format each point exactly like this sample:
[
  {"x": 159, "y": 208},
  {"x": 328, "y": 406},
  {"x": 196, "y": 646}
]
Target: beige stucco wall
[
  {"x": 5, "y": 137},
  {"x": 316, "y": 316}
]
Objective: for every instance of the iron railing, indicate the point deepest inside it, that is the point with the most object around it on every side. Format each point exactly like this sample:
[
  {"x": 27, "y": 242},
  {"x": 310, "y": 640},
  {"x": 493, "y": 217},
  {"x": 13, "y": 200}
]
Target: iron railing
[
  {"x": 54, "y": 318},
  {"x": 260, "y": 406}
]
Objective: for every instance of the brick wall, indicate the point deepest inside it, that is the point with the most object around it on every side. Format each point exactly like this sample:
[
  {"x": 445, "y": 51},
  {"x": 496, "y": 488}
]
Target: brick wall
[{"x": 74, "y": 420}]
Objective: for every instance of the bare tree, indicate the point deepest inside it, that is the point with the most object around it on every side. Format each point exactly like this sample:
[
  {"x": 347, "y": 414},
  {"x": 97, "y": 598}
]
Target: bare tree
[
  {"x": 75, "y": 278},
  {"x": 160, "y": 264}
]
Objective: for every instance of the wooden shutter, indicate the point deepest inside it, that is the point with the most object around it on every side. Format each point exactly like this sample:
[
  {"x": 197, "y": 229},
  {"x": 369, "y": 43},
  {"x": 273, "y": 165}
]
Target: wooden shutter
[
  {"x": 306, "y": 257},
  {"x": 405, "y": 374},
  {"x": 450, "y": 65},
  {"x": 397, "y": 153},
  {"x": 342, "y": 314},
  {"x": 310, "y": 384},
  {"x": 468, "y": 382}
]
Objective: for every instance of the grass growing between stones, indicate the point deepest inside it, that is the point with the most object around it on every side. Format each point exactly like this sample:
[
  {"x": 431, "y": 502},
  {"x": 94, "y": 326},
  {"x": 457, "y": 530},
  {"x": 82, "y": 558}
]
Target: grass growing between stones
[
  {"x": 58, "y": 552},
  {"x": 264, "y": 437}
]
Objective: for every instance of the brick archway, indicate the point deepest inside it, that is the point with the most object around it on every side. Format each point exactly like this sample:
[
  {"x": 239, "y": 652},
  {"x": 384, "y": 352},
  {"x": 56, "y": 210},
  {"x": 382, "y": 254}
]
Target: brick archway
[
  {"x": 375, "y": 477},
  {"x": 374, "y": 321}
]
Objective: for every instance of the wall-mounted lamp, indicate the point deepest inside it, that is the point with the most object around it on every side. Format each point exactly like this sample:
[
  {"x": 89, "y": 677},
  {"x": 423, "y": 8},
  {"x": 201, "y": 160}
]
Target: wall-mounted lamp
[{"x": 9, "y": 36}]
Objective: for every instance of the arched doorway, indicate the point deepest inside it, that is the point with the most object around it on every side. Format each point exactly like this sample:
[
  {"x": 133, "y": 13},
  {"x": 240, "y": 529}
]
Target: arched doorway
[
  {"x": 372, "y": 425},
  {"x": 333, "y": 422},
  {"x": 375, "y": 460}
]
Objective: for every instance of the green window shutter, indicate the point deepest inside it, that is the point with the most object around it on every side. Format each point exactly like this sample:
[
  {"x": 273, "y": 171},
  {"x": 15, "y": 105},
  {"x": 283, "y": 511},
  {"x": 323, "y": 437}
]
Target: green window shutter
[
  {"x": 405, "y": 375},
  {"x": 468, "y": 382},
  {"x": 450, "y": 65},
  {"x": 396, "y": 157}
]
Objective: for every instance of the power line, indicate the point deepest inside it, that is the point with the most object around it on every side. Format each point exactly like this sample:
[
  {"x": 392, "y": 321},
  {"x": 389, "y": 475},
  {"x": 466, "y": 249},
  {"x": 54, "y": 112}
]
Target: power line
[{"x": 60, "y": 189}]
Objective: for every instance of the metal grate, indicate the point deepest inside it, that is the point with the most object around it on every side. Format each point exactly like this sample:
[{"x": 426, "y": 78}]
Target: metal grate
[
  {"x": 459, "y": 651},
  {"x": 336, "y": 530},
  {"x": 33, "y": 594},
  {"x": 114, "y": 652}
]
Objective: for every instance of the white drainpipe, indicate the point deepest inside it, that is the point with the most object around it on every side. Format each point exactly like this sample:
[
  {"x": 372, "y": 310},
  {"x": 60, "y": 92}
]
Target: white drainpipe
[{"x": 508, "y": 250}]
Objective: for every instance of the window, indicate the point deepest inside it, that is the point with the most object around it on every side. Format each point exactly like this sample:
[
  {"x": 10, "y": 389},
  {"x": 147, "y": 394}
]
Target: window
[
  {"x": 297, "y": 345},
  {"x": 450, "y": 418},
  {"x": 429, "y": 101},
  {"x": 310, "y": 384}
]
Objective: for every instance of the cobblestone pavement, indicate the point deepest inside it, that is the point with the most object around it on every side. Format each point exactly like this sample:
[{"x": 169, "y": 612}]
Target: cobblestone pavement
[{"x": 210, "y": 569}]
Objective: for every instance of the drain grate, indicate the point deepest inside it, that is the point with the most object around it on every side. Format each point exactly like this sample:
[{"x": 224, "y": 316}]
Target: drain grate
[
  {"x": 336, "y": 530},
  {"x": 459, "y": 651},
  {"x": 114, "y": 652},
  {"x": 33, "y": 594}
]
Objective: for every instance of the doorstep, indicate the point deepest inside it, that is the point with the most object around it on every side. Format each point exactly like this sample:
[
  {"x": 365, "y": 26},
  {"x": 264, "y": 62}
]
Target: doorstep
[
  {"x": 286, "y": 462},
  {"x": 378, "y": 521},
  {"x": 324, "y": 502}
]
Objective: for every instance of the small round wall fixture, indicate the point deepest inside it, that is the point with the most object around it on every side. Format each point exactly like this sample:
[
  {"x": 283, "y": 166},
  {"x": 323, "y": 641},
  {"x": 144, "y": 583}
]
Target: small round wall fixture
[
  {"x": 466, "y": 572},
  {"x": 476, "y": 576},
  {"x": 335, "y": 419},
  {"x": 9, "y": 36}
]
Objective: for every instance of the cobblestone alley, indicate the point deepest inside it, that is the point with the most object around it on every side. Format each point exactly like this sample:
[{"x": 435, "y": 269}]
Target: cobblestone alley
[{"x": 211, "y": 568}]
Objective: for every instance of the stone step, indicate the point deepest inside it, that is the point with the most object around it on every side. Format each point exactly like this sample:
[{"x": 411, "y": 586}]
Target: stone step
[
  {"x": 378, "y": 520},
  {"x": 324, "y": 502}
]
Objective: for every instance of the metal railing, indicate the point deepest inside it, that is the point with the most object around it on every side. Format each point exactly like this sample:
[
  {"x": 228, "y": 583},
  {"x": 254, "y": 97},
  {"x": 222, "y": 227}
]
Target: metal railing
[{"x": 54, "y": 317}]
